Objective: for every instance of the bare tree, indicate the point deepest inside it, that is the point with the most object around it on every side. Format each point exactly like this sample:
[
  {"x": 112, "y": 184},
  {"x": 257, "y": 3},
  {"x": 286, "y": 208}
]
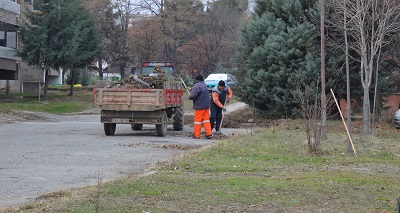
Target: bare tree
[
  {"x": 348, "y": 97},
  {"x": 192, "y": 35},
  {"x": 124, "y": 14},
  {"x": 310, "y": 105},
  {"x": 340, "y": 22},
  {"x": 311, "y": 110},
  {"x": 102, "y": 12},
  {"x": 114, "y": 18},
  {"x": 374, "y": 23},
  {"x": 215, "y": 45},
  {"x": 177, "y": 19},
  {"x": 146, "y": 40}
]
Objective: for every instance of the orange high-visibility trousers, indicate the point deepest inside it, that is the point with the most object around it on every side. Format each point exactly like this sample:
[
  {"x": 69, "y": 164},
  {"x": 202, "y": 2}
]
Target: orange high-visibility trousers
[{"x": 201, "y": 117}]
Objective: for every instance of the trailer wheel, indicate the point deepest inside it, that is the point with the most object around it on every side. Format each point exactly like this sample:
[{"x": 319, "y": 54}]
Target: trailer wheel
[
  {"x": 178, "y": 119},
  {"x": 161, "y": 129},
  {"x": 109, "y": 128},
  {"x": 137, "y": 126}
]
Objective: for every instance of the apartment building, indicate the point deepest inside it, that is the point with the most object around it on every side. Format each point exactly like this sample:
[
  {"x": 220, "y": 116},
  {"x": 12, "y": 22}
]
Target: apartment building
[
  {"x": 15, "y": 75},
  {"x": 9, "y": 63}
]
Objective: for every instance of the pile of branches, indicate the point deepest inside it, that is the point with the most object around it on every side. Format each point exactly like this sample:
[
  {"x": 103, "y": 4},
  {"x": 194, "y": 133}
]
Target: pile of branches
[{"x": 153, "y": 81}]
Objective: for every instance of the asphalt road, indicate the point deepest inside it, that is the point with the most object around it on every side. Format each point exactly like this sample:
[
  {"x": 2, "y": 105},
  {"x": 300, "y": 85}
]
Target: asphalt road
[{"x": 63, "y": 152}]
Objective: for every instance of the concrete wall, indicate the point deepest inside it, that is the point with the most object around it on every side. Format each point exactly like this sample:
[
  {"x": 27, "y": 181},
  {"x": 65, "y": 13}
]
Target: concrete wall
[
  {"x": 55, "y": 77},
  {"x": 30, "y": 87},
  {"x": 101, "y": 83},
  {"x": 11, "y": 85}
]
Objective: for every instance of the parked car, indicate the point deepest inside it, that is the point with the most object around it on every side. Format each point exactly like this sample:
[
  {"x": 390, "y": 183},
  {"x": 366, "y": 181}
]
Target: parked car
[
  {"x": 397, "y": 119},
  {"x": 213, "y": 79}
]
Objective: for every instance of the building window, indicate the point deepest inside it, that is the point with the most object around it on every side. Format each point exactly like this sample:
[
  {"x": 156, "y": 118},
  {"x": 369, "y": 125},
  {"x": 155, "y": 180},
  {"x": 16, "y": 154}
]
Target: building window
[
  {"x": 2, "y": 38},
  {"x": 11, "y": 39},
  {"x": 8, "y": 39}
]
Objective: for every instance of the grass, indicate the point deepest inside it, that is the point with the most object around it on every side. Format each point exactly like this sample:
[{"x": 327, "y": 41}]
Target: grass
[
  {"x": 58, "y": 101},
  {"x": 270, "y": 171}
]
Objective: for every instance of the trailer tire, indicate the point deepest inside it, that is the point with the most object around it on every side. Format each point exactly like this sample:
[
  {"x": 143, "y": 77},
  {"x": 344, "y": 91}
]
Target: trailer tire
[
  {"x": 178, "y": 119},
  {"x": 161, "y": 129},
  {"x": 137, "y": 126},
  {"x": 109, "y": 128}
]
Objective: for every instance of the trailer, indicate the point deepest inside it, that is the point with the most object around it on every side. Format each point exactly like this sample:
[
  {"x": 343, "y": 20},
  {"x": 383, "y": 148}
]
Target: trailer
[{"x": 141, "y": 106}]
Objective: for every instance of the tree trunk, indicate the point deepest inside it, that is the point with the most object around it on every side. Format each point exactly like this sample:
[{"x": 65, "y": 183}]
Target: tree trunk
[
  {"x": 376, "y": 97},
  {"x": 122, "y": 71},
  {"x": 7, "y": 87},
  {"x": 348, "y": 97},
  {"x": 374, "y": 104},
  {"x": 71, "y": 90},
  {"x": 46, "y": 82},
  {"x": 379, "y": 105},
  {"x": 101, "y": 67},
  {"x": 366, "y": 112}
]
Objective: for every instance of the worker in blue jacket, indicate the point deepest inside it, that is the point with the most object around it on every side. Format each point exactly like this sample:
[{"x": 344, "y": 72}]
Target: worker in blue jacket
[{"x": 201, "y": 104}]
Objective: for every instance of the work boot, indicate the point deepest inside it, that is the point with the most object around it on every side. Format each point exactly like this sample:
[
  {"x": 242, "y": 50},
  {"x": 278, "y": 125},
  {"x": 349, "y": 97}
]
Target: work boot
[{"x": 210, "y": 136}]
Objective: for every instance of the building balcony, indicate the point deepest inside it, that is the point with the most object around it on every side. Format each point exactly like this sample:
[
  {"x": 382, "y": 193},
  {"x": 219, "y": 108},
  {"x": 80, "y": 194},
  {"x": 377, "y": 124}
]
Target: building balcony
[
  {"x": 8, "y": 53},
  {"x": 10, "y": 6},
  {"x": 9, "y": 12},
  {"x": 8, "y": 64}
]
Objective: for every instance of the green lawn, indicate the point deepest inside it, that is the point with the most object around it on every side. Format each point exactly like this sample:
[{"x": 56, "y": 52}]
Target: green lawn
[
  {"x": 270, "y": 171},
  {"x": 58, "y": 101}
]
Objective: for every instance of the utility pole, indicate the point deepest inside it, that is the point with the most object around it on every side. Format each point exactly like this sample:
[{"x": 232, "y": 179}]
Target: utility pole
[{"x": 323, "y": 95}]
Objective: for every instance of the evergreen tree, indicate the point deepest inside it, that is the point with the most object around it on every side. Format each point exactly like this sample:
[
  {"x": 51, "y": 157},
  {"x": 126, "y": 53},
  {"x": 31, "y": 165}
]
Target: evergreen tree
[
  {"x": 279, "y": 48},
  {"x": 79, "y": 40},
  {"x": 38, "y": 37},
  {"x": 61, "y": 35}
]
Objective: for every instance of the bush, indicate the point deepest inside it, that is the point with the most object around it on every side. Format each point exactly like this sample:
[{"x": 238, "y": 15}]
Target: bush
[
  {"x": 85, "y": 79},
  {"x": 68, "y": 79},
  {"x": 81, "y": 76}
]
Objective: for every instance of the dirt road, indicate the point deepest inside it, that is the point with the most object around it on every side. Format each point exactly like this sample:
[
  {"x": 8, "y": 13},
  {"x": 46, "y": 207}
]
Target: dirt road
[{"x": 42, "y": 153}]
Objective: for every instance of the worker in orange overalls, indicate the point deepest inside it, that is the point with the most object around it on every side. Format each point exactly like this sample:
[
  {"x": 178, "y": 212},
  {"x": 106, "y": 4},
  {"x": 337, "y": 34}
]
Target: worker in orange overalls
[{"x": 201, "y": 105}]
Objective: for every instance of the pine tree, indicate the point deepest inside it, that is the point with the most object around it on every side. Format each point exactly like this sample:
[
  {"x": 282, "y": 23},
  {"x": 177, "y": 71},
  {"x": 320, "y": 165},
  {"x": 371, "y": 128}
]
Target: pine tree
[
  {"x": 38, "y": 37},
  {"x": 79, "y": 39},
  {"x": 280, "y": 48},
  {"x": 61, "y": 35}
]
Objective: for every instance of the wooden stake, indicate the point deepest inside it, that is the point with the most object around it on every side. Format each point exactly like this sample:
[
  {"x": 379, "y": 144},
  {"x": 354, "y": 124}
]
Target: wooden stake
[
  {"x": 185, "y": 86},
  {"x": 344, "y": 123}
]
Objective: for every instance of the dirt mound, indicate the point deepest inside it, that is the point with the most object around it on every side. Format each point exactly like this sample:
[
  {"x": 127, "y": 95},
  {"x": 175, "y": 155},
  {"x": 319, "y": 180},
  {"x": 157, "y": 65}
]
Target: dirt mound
[{"x": 7, "y": 117}]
